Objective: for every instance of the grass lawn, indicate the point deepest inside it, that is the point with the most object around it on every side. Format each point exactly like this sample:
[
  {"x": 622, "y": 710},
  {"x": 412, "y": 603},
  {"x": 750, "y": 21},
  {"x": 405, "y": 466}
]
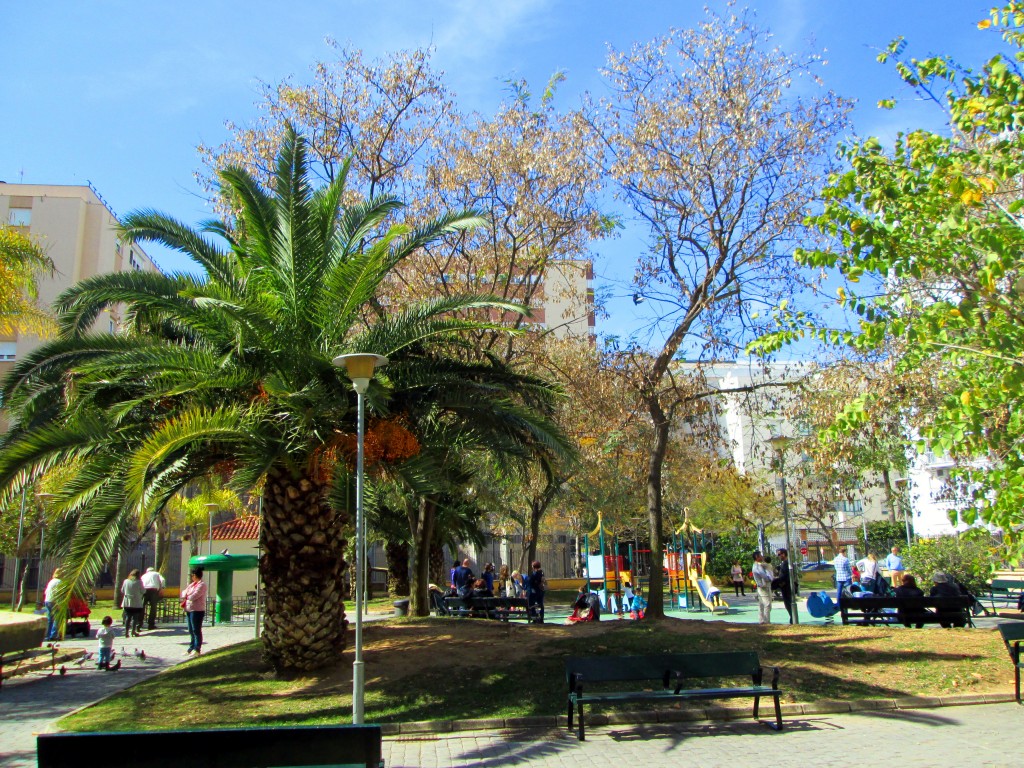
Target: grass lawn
[{"x": 432, "y": 669}]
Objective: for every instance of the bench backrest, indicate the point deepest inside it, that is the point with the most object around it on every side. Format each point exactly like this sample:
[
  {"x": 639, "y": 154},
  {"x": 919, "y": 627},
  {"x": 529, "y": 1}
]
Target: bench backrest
[
  {"x": 655, "y": 667},
  {"x": 1012, "y": 630},
  {"x": 961, "y": 602},
  {"x": 285, "y": 746},
  {"x": 1007, "y": 584}
]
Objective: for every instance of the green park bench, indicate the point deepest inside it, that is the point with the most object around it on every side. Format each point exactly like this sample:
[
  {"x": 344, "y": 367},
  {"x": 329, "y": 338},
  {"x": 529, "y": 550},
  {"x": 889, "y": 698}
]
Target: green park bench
[
  {"x": 1005, "y": 591},
  {"x": 500, "y": 608},
  {"x": 954, "y": 611},
  {"x": 322, "y": 746},
  {"x": 599, "y": 680},
  {"x": 1013, "y": 634}
]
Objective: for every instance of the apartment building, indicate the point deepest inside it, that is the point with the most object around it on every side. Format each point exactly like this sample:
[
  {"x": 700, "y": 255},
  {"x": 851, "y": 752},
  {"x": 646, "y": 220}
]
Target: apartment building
[{"x": 78, "y": 231}]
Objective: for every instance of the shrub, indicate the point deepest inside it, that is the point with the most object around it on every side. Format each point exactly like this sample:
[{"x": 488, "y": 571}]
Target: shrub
[{"x": 966, "y": 558}]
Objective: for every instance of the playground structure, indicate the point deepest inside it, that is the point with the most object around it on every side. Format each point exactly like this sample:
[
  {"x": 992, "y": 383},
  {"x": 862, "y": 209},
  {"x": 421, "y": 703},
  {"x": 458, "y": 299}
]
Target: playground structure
[{"x": 689, "y": 586}]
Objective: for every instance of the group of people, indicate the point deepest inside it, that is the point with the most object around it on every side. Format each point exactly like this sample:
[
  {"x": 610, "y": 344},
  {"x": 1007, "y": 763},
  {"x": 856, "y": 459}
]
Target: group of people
[
  {"x": 867, "y": 572},
  {"x": 767, "y": 582},
  {"x": 139, "y": 591},
  {"x": 462, "y": 582}
]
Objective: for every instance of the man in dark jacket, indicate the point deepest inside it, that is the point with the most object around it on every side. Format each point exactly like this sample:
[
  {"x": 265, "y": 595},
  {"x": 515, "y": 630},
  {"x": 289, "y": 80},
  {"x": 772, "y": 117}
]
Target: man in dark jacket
[
  {"x": 535, "y": 584},
  {"x": 784, "y": 585}
]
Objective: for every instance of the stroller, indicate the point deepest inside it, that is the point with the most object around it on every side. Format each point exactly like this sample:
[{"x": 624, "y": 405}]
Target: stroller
[{"x": 78, "y": 618}]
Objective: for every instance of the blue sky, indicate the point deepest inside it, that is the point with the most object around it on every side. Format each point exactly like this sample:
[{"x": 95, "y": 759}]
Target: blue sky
[{"x": 121, "y": 93}]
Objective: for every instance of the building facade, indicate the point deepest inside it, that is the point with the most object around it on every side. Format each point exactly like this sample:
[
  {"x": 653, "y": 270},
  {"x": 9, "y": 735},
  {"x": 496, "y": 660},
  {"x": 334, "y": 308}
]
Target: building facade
[{"x": 78, "y": 231}]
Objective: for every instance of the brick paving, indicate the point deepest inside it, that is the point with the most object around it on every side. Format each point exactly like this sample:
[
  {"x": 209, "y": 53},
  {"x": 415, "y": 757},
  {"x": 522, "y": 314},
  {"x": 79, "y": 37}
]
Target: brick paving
[{"x": 950, "y": 736}]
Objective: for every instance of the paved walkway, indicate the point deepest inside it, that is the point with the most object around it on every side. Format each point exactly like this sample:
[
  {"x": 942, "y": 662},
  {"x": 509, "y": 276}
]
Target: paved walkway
[
  {"x": 952, "y": 736},
  {"x": 30, "y": 704}
]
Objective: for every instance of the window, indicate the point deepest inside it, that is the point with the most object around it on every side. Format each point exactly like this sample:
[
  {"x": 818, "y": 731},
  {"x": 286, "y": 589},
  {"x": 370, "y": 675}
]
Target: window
[
  {"x": 20, "y": 217},
  {"x": 8, "y": 350}
]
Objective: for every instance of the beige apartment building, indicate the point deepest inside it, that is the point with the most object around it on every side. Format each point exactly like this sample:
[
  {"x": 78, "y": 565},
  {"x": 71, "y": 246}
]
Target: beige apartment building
[{"x": 78, "y": 231}]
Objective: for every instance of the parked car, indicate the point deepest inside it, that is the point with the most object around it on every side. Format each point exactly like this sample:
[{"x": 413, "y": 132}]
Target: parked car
[{"x": 820, "y": 565}]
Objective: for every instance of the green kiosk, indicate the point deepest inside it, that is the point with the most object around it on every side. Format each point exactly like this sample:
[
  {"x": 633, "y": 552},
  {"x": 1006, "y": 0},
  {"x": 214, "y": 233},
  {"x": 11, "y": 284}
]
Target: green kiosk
[{"x": 225, "y": 566}]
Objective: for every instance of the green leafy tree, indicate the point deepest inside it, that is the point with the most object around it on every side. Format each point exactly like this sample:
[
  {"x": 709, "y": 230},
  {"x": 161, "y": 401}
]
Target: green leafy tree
[
  {"x": 966, "y": 558},
  {"x": 22, "y": 263},
  {"x": 883, "y": 535},
  {"x": 231, "y": 374},
  {"x": 932, "y": 229},
  {"x": 727, "y": 548}
]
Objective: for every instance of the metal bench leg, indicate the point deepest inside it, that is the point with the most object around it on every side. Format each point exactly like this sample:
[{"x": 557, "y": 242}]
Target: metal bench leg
[
  {"x": 778, "y": 714},
  {"x": 570, "y": 715},
  {"x": 579, "y": 712},
  {"x": 757, "y": 705}
]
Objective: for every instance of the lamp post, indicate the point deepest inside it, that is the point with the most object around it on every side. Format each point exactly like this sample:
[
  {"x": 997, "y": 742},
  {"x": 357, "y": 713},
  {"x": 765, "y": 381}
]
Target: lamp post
[
  {"x": 210, "y": 509},
  {"x": 360, "y": 367},
  {"x": 780, "y": 443},
  {"x": 904, "y": 501},
  {"x": 43, "y": 498}
]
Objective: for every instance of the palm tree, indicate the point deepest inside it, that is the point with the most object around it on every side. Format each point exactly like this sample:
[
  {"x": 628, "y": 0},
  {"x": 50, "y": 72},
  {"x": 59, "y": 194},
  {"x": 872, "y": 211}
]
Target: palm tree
[{"x": 230, "y": 374}]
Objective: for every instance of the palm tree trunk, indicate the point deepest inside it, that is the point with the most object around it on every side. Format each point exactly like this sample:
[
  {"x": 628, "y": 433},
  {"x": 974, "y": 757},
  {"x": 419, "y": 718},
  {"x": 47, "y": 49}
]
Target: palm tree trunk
[
  {"x": 302, "y": 568},
  {"x": 438, "y": 572},
  {"x": 422, "y": 529},
  {"x": 398, "y": 568},
  {"x": 162, "y": 545}
]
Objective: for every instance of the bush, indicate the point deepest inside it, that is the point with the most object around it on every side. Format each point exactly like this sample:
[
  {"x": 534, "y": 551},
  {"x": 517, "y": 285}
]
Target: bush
[
  {"x": 966, "y": 558},
  {"x": 724, "y": 549},
  {"x": 882, "y": 536}
]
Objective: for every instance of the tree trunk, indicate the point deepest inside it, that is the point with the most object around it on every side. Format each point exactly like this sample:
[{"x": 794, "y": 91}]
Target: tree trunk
[
  {"x": 656, "y": 458},
  {"x": 302, "y": 567},
  {"x": 536, "y": 512},
  {"x": 421, "y": 524},
  {"x": 162, "y": 545},
  {"x": 438, "y": 571},
  {"x": 21, "y": 585},
  {"x": 398, "y": 568},
  {"x": 889, "y": 500}
]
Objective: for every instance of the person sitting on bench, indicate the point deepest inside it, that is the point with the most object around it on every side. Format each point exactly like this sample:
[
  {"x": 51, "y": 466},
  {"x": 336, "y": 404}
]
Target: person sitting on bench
[
  {"x": 943, "y": 588},
  {"x": 908, "y": 588}
]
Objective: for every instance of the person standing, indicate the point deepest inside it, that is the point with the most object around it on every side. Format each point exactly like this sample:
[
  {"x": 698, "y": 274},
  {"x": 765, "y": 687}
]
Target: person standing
[
  {"x": 785, "y": 586},
  {"x": 536, "y": 586},
  {"x": 153, "y": 583},
  {"x": 894, "y": 563},
  {"x": 844, "y": 574},
  {"x": 49, "y": 602},
  {"x": 463, "y": 579},
  {"x": 763, "y": 576},
  {"x": 737, "y": 579},
  {"x": 193, "y": 600},
  {"x": 133, "y": 602},
  {"x": 488, "y": 577},
  {"x": 869, "y": 573}
]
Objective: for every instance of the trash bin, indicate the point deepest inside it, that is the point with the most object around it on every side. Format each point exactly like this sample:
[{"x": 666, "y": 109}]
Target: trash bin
[{"x": 401, "y": 607}]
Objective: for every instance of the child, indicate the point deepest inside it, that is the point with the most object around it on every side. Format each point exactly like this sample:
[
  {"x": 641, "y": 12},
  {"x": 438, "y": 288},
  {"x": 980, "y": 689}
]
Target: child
[
  {"x": 105, "y": 636},
  {"x": 627, "y": 597}
]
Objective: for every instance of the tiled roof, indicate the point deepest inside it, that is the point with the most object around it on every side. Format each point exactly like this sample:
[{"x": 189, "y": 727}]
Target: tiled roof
[{"x": 241, "y": 528}]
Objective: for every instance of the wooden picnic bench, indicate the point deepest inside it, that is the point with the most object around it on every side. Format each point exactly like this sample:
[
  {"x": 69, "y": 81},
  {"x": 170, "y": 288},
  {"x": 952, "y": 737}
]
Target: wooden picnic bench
[
  {"x": 23, "y": 641},
  {"x": 600, "y": 679},
  {"x": 339, "y": 746},
  {"x": 1013, "y": 634},
  {"x": 946, "y": 611},
  {"x": 500, "y": 608}
]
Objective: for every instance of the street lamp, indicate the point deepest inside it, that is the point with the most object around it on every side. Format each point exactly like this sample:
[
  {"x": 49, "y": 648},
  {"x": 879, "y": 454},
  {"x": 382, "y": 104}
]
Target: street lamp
[
  {"x": 360, "y": 367},
  {"x": 904, "y": 501},
  {"x": 43, "y": 499},
  {"x": 210, "y": 509},
  {"x": 780, "y": 443}
]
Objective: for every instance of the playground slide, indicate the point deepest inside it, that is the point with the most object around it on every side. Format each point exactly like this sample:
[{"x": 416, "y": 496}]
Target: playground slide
[{"x": 707, "y": 592}]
